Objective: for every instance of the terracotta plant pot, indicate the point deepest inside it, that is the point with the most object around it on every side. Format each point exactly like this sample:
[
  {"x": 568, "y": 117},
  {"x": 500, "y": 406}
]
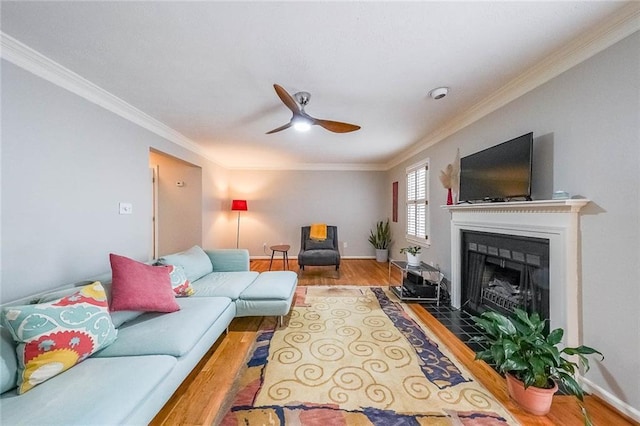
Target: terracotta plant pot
[{"x": 533, "y": 400}]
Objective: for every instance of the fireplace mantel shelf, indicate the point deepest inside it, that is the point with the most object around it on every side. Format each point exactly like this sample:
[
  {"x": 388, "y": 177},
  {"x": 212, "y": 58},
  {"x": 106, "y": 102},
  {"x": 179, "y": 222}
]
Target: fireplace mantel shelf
[{"x": 572, "y": 205}]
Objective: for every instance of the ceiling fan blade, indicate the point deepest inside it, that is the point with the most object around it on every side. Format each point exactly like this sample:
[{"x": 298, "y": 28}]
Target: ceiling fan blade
[
  {"x": 336, "y": 126},
  {"x": 287, "y": 99},
  {"x": 286, "y": 126}
]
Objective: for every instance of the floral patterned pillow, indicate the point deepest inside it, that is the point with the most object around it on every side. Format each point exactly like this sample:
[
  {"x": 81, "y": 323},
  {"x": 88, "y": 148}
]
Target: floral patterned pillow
[
  {"x": 179, "y": 282},
  {"x": 53, "y": 337}
]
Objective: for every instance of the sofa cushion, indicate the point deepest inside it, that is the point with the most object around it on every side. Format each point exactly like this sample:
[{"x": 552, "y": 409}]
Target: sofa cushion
[
  {"x": 53, "y": 337},
  {"x": 95, "y": 392},
  {"x": 9, "y": 363},
  {"x": 278, "y": 285},
  {"x": 137, "y": 286},
  {"x": 195, "y": 262},
  {"x": 171, "y": 334},
  {"x": 229, "y": 260},
  {"x": 226, "y": 284}
]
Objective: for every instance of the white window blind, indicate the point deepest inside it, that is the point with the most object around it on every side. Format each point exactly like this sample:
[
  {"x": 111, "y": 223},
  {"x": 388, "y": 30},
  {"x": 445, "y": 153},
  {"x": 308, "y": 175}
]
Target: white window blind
[{"x": 418, "y": 202}]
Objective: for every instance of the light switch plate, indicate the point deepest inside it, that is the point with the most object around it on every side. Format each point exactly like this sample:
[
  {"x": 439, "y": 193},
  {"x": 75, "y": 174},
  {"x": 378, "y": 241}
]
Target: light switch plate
[{"x": 125, "y": 208}]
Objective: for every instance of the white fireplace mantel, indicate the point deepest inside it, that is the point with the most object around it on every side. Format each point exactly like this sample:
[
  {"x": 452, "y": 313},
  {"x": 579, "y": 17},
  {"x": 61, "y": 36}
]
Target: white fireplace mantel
[
  {"x": 538, "y": 206},
  {"x": 554, "y": 220}
]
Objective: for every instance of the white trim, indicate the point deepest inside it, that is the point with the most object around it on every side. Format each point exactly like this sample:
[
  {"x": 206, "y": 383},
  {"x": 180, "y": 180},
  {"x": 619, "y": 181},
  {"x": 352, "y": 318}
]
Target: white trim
[
  {"x": 318, "y": 166},
  {"x": 622, "y": 24},
  {"x": 422, "y": 242},
  {"x": 262, "y": 257},
  {"x": 613, "y": 400},
  {"x": 572, "y": 205},
  {"x": 417, "y": 165}
]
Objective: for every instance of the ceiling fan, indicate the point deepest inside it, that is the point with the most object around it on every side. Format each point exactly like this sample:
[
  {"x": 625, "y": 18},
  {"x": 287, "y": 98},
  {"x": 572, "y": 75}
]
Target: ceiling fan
[{"x": 303, "y": 121}]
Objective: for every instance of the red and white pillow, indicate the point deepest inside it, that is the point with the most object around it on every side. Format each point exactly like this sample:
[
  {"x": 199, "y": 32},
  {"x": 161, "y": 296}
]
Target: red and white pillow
[{"x": 179, "y": 282}]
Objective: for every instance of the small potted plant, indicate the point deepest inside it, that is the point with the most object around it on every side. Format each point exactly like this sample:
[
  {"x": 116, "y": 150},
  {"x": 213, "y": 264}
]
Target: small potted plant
[
  {"x": 380, "y": 240},
  {"x": 413, "y": 255},
  {"x": 523, "y": 349}
]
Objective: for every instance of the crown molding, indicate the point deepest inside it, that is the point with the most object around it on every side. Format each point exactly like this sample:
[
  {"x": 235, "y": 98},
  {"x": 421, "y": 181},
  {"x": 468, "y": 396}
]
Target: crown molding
[
  {"x": 346, "y": 167},
  {"x": 619, "y": 26},
  {"x": 30, "y": 60}
]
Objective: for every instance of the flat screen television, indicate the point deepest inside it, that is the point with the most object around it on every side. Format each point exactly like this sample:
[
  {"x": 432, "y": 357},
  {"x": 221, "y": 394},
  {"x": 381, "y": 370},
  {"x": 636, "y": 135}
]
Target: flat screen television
[{"x": 499, "y": 173}]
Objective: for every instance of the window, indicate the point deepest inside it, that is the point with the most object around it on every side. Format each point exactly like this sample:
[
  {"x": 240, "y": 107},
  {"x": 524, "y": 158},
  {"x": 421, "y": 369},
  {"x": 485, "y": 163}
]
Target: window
[{"x": 418, "y": 203}]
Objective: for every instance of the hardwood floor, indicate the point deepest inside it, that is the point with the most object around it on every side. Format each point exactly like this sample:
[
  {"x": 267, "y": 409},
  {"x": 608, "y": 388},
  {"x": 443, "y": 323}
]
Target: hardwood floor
[{"x": 200, "y": 397}]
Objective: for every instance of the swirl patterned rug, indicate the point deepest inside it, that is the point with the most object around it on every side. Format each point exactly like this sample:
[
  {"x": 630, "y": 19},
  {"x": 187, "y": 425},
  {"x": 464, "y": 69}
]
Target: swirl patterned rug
[{"x": 354, "y": 356}]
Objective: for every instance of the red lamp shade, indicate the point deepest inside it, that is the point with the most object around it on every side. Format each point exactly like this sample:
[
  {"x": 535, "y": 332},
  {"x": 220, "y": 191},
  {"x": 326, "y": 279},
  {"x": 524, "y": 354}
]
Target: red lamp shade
[{"x": 239, "y": 205}]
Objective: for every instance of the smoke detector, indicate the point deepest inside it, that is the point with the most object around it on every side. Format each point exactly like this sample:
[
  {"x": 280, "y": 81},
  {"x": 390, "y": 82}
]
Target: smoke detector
[{"x": 439, "y": 93}]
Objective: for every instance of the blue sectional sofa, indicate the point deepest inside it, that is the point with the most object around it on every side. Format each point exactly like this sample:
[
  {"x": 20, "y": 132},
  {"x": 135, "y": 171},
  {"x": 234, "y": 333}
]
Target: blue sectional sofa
[{"x": 131, "y": 379}]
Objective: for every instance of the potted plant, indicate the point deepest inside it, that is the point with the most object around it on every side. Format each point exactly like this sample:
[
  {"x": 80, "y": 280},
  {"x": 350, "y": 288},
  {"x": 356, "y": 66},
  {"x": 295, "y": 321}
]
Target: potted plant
[
  {"x": 413, "y": 255},
  {"x": 380, "y": 240},
  {"x": 523, "y": 349}
]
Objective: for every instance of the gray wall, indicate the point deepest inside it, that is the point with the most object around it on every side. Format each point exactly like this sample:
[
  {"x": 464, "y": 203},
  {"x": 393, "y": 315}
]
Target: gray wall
[
  {"x": 586, "y": 124},
  {"x": 66, "y": 164},
  {"x": 280, "y": 202}
]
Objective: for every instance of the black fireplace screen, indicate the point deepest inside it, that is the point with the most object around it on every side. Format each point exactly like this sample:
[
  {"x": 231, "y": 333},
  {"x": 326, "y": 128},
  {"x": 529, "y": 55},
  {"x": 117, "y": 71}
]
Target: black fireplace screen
[{"x": 504, "y": 272}]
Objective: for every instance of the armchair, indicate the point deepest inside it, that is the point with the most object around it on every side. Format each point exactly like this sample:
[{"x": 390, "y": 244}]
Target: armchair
[{"x": 319, "y": 253}]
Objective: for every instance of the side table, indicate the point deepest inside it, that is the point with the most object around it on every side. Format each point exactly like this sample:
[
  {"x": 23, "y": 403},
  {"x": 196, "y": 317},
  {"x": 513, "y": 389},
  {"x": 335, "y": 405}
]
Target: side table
[
  {"x": 419, "y": 283},
  {"x": 281, "y": 248}
]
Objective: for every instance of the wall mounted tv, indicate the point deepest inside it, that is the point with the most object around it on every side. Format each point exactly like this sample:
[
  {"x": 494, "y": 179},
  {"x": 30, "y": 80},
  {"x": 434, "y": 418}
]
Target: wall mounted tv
[{"x": 499, "y": 173}]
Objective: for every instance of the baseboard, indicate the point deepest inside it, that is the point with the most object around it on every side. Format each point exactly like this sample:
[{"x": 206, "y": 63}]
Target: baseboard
[
  {"x": 610, "y": 399},
  {"x": 279, "y": 257}
]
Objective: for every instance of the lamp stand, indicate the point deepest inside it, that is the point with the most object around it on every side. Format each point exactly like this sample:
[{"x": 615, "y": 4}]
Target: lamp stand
[{"x": 238, "y": 232}]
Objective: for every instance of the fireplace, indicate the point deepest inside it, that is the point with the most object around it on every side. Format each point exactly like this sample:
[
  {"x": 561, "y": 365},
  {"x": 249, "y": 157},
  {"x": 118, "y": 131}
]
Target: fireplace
[
  {"x": 554, "y": 221},
  {"x": 504, "y": 272}
]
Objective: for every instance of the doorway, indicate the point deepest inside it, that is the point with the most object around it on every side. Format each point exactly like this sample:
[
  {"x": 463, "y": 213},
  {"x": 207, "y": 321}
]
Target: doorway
[{"x": 176, "y": 187}]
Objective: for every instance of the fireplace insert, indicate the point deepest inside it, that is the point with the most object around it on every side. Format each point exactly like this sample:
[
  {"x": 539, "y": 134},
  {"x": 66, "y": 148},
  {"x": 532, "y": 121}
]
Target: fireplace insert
[{"x": 503, "y": 272}]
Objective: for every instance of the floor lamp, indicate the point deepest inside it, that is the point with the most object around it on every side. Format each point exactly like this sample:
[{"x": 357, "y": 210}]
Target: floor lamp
[{"x": 239, "y": 206}]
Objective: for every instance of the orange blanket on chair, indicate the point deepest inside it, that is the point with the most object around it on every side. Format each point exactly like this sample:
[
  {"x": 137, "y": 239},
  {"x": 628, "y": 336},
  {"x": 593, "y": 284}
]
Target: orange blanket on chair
[{"x": 318, "y": 231}]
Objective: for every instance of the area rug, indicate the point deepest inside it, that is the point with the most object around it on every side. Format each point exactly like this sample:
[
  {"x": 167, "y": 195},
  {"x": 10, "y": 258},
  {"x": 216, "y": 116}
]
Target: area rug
[{"x": 354, "y": 356}]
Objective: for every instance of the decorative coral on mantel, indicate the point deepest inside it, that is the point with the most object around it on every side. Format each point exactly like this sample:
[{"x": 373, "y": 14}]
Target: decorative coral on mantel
[
  {"x": 450, "y": 176},
  {"x": 446, "y": 176}
]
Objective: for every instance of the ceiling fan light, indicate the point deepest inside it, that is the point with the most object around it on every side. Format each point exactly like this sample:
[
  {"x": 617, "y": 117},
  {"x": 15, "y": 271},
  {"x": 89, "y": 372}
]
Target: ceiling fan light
[{"x": 301, "y": 124}]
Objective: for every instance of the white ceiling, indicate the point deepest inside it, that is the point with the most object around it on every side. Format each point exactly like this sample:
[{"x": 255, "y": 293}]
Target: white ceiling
[{"x": 207, "y": 69}]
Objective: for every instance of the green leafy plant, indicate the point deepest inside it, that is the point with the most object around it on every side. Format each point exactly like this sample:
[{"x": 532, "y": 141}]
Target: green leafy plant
[
  {"x": 523, "y": 347},
  {"x": 381, "y": 238},
  {"x": 412, "y": 250}
]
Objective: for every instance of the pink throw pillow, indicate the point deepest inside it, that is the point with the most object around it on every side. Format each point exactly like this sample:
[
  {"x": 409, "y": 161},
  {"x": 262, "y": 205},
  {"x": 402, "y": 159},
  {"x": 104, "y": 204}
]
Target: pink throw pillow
[{"x": 139, "y": 287}]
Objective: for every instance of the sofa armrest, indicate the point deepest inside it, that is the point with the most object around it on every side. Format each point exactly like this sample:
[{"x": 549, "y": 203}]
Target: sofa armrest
[{"x": 229, "y": 260}]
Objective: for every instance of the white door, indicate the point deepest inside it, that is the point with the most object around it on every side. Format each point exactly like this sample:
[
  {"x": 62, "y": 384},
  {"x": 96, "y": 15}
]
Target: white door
[{"x": 154, "y": 172}]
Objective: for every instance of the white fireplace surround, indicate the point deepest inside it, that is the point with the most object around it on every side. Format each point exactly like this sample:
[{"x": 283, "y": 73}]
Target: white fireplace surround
[{"x": 554, "y": 220}]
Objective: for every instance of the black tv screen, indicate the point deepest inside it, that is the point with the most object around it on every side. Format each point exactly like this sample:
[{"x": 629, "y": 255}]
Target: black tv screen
[{"x": 499, "y": 173}]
